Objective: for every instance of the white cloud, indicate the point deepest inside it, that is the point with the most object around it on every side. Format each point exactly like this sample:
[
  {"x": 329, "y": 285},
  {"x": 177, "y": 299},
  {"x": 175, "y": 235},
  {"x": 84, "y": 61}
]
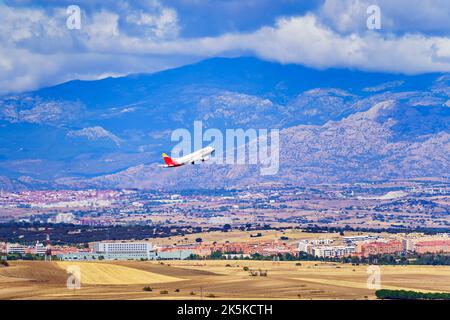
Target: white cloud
[
  {"x": 103, "y": 25},
  {"x": 304, "y": 40},
  {"x": 36, "y": 49},
  {"x": 22, "y": 70},
  {"x": 399, "y": 16},
  {"x": 344, "y": 16},
  {"x": 162, "y": 26}
]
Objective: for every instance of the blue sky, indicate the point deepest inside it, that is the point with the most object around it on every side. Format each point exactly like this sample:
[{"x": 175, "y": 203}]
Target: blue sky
[{"x": 120, "y": 37}]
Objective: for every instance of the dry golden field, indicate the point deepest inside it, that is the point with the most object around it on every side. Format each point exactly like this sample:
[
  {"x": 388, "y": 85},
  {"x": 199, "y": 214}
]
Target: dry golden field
[
  {"x": 211, "y": 280},
  {"x": 245, "y": 236}
]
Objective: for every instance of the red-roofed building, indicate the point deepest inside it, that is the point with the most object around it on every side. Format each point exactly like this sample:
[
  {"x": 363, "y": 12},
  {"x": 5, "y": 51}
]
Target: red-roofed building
[
  {"x": 379, "y": 247},
  {"x": 436, "y": 246}
]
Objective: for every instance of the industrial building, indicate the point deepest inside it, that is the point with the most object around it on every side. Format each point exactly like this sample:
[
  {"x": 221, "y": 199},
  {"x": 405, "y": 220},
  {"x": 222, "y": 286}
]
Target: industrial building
[
  {"x": 125, "y": 250},
  {"x": 15, "y": 248}
]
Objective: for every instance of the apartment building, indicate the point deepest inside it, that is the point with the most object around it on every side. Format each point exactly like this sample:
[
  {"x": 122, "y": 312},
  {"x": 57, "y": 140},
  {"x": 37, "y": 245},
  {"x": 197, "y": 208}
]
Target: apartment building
[
  {"x": 15, "y": 248},
  {"x": 333, "y": 251},
  {"x": 434, "y": 246},
  {"x": 367, "y": 249},
  {"x": 410, "y": 241}
]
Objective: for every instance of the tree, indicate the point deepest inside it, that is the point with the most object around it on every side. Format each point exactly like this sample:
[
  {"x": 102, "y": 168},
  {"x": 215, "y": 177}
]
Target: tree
[
  {"x": 410, "y": 295},
  {"x": 216, "y": 255}
]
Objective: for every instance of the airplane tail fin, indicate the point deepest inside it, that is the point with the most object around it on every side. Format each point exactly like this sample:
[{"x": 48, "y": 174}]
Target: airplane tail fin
[{"x": 169, "y": 161}]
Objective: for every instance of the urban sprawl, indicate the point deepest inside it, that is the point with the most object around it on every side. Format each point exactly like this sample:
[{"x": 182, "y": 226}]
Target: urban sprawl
[
  {"x": 331, "y": 247},
  {"x": 321, "y": 221}
]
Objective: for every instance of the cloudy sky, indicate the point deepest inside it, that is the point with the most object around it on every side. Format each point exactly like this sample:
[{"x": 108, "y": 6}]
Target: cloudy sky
[{"x": 118, "y": 37}]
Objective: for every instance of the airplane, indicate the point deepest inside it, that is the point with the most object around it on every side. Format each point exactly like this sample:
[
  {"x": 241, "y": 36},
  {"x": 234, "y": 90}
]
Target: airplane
[{"x": 196, "y": 156}]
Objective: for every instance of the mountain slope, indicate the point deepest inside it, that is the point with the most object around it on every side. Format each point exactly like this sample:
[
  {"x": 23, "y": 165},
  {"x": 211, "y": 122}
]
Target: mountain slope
[
  {"x": 339, "y": 124},
  {"x": 361, "y": 147}
]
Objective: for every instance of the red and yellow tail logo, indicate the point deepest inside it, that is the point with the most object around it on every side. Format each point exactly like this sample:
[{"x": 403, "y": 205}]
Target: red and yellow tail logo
[{"x": 169, "y": 161}]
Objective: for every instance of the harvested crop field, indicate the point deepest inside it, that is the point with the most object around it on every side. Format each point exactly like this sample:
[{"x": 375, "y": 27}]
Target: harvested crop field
[{"x": 212, "y": 280}]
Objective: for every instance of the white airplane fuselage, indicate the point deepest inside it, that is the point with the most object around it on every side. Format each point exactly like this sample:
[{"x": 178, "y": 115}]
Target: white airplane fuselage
[{"x": 196, "y": 156}]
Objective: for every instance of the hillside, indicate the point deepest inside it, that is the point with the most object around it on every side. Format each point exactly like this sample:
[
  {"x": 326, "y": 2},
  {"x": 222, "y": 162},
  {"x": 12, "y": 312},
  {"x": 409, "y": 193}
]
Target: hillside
[{"x": 336, "y": 125}]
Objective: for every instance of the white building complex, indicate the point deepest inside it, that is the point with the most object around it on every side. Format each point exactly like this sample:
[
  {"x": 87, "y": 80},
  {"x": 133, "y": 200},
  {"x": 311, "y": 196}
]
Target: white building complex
[
  {"x": 333, "y": 251},
  {"x": 115, "y": 251},
  {"x": 355, "y": 239},
  {"x": 125, "y": 250},
  {"x": 322, "y": 248},
  {"x": 64, "y": 218},
  {"x": 40, "y": 249},
  {"x": 15, "y": 248}
]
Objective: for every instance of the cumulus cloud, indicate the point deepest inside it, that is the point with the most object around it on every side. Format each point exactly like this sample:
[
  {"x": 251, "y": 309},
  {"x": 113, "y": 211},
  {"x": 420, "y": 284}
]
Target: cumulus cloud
[
  {"x": 400, "y": 16},
  {"x": 162, "y": 26},
  {"x": 36, "y": 48},
  {"x": 305, "y": 40}
]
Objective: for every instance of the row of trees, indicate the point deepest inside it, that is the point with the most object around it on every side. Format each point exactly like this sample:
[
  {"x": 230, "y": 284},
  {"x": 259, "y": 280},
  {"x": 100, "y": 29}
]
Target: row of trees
[
  {"x": 387, "y": 259},
  {"x": 402, "y": 259},
  {"x": 410, "y": 295}
]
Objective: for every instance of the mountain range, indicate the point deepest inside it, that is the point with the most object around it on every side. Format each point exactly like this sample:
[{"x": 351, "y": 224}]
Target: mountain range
[{"x": 336, "y": 125}]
